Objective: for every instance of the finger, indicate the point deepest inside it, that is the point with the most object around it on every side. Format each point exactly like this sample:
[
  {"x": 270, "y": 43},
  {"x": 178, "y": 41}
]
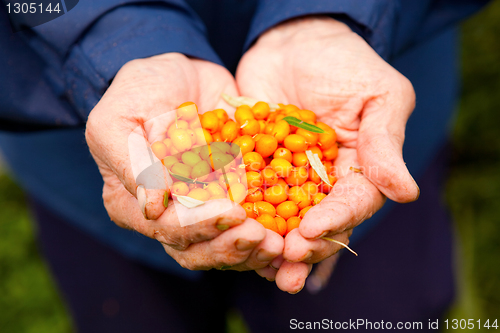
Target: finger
[
  {"x": 291, "y": 277},
  {"x": 297, "y": 248},
  {"x": 267, "y": 273},
  {"x": 380, "y": 143},
  {"x": 231, "y": 248},
  {"x": 352, "y": 200},
  {"x": 123, "y": 209},
  {"x": 264, "y": 253}
]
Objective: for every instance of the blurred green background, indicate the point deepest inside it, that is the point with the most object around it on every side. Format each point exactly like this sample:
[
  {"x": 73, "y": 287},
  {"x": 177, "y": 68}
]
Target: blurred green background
[{"x": 29, "y": 301}]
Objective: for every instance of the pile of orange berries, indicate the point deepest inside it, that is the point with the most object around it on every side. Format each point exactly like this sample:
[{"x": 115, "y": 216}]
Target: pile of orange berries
[{"x": 280, "y": 184}]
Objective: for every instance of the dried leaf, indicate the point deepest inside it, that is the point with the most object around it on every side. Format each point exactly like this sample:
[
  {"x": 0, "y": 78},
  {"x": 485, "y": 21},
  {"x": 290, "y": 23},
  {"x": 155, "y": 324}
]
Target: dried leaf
[
  {"x": 243, "y": 100},
  {"x": 185, "y": 179},
  {"x": 302, "y": 124},
  {"x": 318, "y": 166},
  {"x": 188, "y": 201}
]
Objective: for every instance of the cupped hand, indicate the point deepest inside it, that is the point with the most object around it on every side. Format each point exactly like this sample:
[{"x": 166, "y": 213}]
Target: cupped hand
[
  {"x": 318, "y": 63},
  {"x": 142, "y": 90}
]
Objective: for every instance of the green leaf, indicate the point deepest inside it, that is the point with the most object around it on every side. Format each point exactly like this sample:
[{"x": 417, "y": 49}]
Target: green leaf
[
  {"x": 185, "y": 179},
  {"x": 302, "y": 124}
]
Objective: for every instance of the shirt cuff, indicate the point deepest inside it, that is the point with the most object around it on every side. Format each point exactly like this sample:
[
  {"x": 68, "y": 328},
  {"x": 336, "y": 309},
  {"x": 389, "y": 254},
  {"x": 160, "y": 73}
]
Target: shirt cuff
[
  {"x": 127, "y": 33},
  {"x": 374, "y": 20}
]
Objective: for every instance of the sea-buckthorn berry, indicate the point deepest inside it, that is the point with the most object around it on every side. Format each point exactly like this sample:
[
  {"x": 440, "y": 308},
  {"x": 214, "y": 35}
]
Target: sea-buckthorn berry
[
  {"x": 182, "y": 169},
  {"x": 254, "y": 194},
  {"x": 313, "y": 176},
  {"x": 215, "y": 189},
  {"x": 287, "y": 209},
  {"x": 210, "y": 122},
  {"x": 169, "y": 161},
  {"x": 264, "y": 207},
  {"x": 228, "y": 179},
  {"x": 269, "y": 177},
  {"x": 202, "y": 136},
  {"x": 237, "y": 192},
  {"x": 245, "y": 143},
  {"x": 272, "y": 116},
  {"x": 303, "y": 211},
  {"x": 300, "y": 159},
  {"x": 268, "y": 222},
  {"x": 292, "y": 223},
  {"x": 217, "y": 137},
  {"x": 187, "y": 112},
  {"x": 298, "y": 195},
  {"x": 290, "y": 108},
  {"x": 331, "y": 153},
  {"x": 168, "y": 142},
  {"x": 281, "y": 224},
  {"x": 311, "y": 138},
  {"x": 254, "y": 179},
  {"x": 266, "y": 145},
  {"x": 221, "y": 114},
  {"x": 282, "y": 167},
  {"x": 281, "y": 182},
  {"x": 308, "y": 115},
  {"x": 159, "y": 149},
  {"x": 253, "y": 161},
  {"x": 294, "y": 114},
  {"x": 275, "y": 194},
  {"x": 297, "y": 176},
  {"x": 281, "y": 130},
  {"x": 179, "y": 188},
  {"x": 316, "y": 199},
  {"x": 199, "y": 194},
  {"x": 279, "y": 117},
  {"x": 296, "y": 143},
  {"x": 283, "y": 153},
  {"x": 179, "y": 124},
  {"x": 229, "y": 131},
  {"x": 190, "y": 158},
  {"x": 248, "y": 207},
  {"x": 261, "y": 110},
  {"x": 242, "y": 114},
  {"x": 317, "y": 151},
  {"x": 201, "y": 170},
  {"x": 268, "y": 129},
  {"x": 250, "y": 127},
  {"x": 329, "y": 167},
  {"x": 181, "y": 140},
  {"x": 327, "y": 139},
  {"x": 310, "y": 187}
]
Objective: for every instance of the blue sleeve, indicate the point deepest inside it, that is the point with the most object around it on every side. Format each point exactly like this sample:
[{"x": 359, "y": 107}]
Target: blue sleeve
[
  {"x": 89, "y": 44},
  {"x": 389, "y": 26}
]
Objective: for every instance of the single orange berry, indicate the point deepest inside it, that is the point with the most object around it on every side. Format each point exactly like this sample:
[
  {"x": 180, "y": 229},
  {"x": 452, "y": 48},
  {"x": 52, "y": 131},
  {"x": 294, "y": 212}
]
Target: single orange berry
[
  {"x": 308, "y": 116},
  {"x": 331, "y": 153},
  {"x": 296, "y": 143},
  {"x": 179, "y": 188},
  {"x": 181, "y": 140},
  {"x": 262, "y": 124},
  {"x": 217, "y": 137},
  {"x": 264, "y": 207},
  {"x": 281, "y": 224},
  {"x": 300, "y": 159},
  {"x": 287, "y": 209},
  {"x": 245, "y": 143},
  {"x": 298, "y": 195},
  {"x": 187, "y": 111},
  {"x": 254, "y": 179},
  {"x": 316, "y": 199},
  {"x": 228, "y": 179},
  {"x": 266, "y": 145},
  {"x": 237, "y": 192},
  {"x": 275, "y": 194},
  {"x": 311, "y": 138},
  {"x": 281, "y": 130},
  {"x": 268, "y": 129},
  {"x": 229, "y": 131},
  {"x": 215, "y": 189},
  {"x": 282, "y": 167},
  {"x": 179, "y": 124},
  {"x": 283, "y": 153},
  {"x": 292, "y": 223},
  {"x": 297, "y": 176},
  {"x": 159, "y": 149},
  {"x": 269, "y": 177},
  {"x": 310, "y": 187},
  {"x": 290, "y": 108},
  {"x": 199, "y": 194},
  {"x": 221, "y": 114},
  {"x": 261, "y": 110},
  {"x": 317, "y": 151},
  {"x": 210, "y": 121},
  {"x": 268, "y": 222},
  {"x": 327, "y": 139},
  {"x": 313, "y": 176},
  {"x": 253, "y": 161},
  {"x": 242, "y": 114},
  {"x": 303, "y": 211},
  {"x": 254, "y": 194},
  {"x": 250, "y": 127},
  {"x": 248, "y": 207}
]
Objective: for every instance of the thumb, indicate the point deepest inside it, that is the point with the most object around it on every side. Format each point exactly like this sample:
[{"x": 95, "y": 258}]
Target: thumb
[{"x": 380, "y": 145}]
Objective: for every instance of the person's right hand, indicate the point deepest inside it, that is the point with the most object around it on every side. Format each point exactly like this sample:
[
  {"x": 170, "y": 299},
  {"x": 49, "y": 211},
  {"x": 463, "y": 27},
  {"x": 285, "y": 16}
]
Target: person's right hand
[{"x": 144, "y": 89}]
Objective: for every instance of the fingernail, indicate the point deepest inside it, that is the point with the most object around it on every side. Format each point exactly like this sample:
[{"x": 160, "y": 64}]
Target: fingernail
[
  {"x": 263, "y": 255},
  {"x": 244, "y": 245},
  {"x": 323, "y": 234},
  {"x": 270, "y": 280},
  {"x": 142, "y": 199},
  {"x": 222, "y": 227},
  {"x": 307, "y": 256},
  {"x": 296, "y": 292},
  {"x": 276, "y": 263},
  {"x": 226, "y": 222}
]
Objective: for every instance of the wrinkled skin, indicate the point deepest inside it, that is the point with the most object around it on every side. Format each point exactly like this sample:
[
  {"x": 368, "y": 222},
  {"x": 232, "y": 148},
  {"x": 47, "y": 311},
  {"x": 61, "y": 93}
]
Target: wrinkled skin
[
  {"x": 319, "y": 64},
  {"x": 142, "y": 90}
]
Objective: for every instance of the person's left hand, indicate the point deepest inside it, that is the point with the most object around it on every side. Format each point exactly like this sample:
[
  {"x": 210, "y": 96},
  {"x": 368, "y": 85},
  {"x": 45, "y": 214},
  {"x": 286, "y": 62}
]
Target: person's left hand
[{"x": 319, "y": 64}]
